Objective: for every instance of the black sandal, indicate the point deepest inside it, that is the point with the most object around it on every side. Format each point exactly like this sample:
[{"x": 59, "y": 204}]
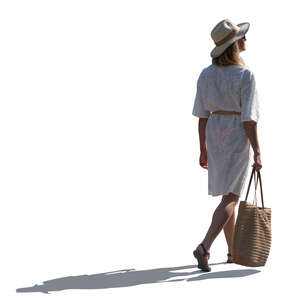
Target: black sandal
[
  {"x": 229, "y": 262},
  {"x": 200, "y": 258}
]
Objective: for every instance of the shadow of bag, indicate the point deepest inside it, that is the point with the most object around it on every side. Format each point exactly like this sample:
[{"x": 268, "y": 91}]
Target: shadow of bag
[{"x": 252, "y": 234}]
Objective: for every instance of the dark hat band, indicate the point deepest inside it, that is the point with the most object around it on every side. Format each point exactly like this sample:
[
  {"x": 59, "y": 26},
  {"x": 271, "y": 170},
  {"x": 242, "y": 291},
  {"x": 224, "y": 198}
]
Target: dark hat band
[{"x": 227, "y": 38}]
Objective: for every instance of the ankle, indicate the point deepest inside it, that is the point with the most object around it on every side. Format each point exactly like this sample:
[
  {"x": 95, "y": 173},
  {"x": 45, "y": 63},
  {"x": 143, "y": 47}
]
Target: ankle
[{"x": 206, "y": 246}]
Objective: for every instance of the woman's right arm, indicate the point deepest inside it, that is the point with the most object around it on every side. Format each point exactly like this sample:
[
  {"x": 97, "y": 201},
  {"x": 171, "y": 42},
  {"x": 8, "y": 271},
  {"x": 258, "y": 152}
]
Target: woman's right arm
[{"x": 251, "y": 132}]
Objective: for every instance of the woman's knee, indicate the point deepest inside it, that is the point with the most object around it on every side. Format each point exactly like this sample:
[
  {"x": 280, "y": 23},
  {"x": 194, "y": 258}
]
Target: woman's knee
[{"x": 230, "y": 197}]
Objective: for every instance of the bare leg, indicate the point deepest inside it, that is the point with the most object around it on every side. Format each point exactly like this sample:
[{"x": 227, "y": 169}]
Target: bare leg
[
  {"x": 221, "y": 216},
  {"x": 229, "y": 232}
]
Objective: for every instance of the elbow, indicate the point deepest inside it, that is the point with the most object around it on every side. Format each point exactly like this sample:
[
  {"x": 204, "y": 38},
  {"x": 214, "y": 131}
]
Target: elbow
[
  {"x": 249, "y": 125},
  {"x": 203, "y": 119}
]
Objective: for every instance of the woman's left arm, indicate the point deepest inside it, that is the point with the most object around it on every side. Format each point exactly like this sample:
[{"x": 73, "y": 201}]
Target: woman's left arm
[{"x": 202, "y": 122}]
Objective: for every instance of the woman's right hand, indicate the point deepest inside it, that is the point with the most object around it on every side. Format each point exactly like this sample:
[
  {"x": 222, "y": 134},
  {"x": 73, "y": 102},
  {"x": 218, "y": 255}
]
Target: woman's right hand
[{"x": 257, "y": 161}]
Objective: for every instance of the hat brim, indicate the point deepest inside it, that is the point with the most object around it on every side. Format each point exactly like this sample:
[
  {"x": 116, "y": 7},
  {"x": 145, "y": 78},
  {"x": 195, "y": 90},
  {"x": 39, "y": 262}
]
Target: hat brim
[{"x": 218, "y": 50}]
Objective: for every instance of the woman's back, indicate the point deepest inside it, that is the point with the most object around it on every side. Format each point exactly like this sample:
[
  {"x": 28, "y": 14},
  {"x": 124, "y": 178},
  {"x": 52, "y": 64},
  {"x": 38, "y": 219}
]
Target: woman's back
[{"x": 229, "y": 88}]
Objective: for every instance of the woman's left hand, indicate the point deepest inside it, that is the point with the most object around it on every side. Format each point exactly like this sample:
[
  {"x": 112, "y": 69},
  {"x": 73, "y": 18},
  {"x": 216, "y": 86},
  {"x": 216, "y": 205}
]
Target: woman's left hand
[{"x": 203, "y": 160}]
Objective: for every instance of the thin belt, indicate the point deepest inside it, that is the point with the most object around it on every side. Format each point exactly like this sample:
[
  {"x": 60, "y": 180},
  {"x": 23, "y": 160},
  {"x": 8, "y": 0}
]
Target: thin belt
[{"x": 226, "y": 112}]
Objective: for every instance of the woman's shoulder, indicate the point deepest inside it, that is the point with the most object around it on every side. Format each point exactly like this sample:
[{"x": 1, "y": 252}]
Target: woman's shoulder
[
  {"x": 248, "y": 76},
  {"x": 202, "y": 74},
  {"x": 244, "y": 71},
  {"x": 211, "y": 70},
  {"x": 231, "y": 68}
]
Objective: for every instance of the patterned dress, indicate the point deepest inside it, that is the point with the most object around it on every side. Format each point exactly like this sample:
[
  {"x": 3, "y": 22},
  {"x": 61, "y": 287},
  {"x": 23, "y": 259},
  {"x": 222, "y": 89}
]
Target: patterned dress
[{"x": 228, "y": 147}]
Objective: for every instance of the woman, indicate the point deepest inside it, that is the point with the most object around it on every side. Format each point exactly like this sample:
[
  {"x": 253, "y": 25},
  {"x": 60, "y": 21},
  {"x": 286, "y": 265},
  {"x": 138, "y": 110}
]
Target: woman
[{"x": 227, "y": 106}]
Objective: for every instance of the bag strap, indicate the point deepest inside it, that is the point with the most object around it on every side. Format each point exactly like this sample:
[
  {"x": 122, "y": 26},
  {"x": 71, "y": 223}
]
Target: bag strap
[
  {"x": 258, "y": 176},
  {"x": 252, "y": 172},
  {"x": 255, "y": 186},
  {"x": 258, "y": 173}
]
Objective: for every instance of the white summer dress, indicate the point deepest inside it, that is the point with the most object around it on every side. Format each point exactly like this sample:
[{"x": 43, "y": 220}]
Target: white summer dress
[{"x": 228, "y": 147}]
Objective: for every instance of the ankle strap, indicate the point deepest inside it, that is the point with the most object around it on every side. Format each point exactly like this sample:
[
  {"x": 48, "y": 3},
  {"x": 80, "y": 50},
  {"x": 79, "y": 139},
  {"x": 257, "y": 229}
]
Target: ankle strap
[{"x": 204, "y": 249}]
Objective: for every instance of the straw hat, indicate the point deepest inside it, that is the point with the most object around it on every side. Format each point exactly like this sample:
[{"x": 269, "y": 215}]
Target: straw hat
[{"x": 225, "y": 33}]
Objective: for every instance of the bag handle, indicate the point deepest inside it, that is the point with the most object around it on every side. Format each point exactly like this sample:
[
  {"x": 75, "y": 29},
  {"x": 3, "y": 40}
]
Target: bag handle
[{"x": 258, "y": 176}]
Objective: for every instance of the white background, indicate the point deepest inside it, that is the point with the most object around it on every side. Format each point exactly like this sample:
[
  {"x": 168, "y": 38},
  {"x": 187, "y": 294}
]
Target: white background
[{"x": 100, "y": 151}]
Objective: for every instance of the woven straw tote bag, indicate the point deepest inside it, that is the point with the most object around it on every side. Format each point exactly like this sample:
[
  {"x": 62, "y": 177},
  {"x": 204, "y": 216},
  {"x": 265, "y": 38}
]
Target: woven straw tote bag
[{"x": 252, "y": 234}]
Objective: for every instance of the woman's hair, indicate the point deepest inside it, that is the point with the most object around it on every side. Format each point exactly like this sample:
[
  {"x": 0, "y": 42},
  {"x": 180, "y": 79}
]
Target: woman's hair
[{"x": 229, "y": 57}]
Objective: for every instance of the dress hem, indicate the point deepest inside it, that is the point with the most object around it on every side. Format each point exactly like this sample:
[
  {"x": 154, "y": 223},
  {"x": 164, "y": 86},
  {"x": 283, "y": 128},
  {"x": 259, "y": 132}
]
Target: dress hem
[{"x": 222, "y": 194}]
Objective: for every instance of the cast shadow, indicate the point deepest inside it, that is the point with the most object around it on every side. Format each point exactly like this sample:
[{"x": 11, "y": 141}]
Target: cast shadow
[{"x": 132, "y": 277}]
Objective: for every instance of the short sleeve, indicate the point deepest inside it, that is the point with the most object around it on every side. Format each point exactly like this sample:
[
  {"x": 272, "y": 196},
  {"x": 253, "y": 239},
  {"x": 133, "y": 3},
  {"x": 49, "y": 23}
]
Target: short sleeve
[
  {"x": 198, "y": 106},
  {"x": 249, "y": 97}
]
